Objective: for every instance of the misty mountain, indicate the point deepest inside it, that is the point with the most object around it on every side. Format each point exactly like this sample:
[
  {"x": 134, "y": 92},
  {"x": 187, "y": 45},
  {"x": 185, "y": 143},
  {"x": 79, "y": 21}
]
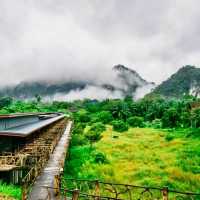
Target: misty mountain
[
  {"x": 123, "y": 81},
  {"x": 186, "y": 81}
]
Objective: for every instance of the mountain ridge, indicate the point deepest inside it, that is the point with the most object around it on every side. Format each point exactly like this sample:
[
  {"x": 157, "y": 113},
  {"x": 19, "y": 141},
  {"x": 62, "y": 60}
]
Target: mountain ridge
[
  {"x": 126, "y": 82},
  {"x": 186, "y": 81}
]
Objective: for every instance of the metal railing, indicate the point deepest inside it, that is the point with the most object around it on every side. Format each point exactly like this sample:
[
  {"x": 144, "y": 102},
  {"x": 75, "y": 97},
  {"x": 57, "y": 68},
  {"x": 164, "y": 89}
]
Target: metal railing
[{"x": 97, "y": 190}]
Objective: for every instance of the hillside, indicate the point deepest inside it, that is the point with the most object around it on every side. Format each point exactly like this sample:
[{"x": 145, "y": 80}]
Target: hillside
[
  {"x": 124, "y": 81},
  {"x": 185, "y": 81}
]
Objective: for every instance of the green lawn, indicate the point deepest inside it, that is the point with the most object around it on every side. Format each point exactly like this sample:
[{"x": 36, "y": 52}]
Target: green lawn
[{"x": 141, "y": 156}]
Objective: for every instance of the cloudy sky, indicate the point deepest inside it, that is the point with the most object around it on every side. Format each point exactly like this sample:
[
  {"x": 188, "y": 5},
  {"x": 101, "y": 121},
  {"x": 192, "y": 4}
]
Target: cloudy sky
[{"x": 83, "y": 39}]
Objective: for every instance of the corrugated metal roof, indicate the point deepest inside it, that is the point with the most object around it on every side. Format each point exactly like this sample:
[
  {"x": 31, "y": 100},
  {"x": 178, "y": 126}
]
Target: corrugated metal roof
[
  {"x": 27, "y": 129},
  {"x": 15, "y": 115}
]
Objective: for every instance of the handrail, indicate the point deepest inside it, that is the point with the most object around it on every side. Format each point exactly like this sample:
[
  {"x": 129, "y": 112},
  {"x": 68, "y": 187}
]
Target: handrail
[{"x": 129, "y": 191}]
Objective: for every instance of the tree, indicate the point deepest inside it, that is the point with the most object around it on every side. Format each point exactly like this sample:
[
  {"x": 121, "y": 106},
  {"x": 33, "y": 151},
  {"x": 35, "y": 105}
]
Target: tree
[
  {"x": 136, "y": 121},
  {"x": 196, "y": 118},
  {"x": 170, "y": 118},
  {"x": 120, "y": 126},
  {"x": 38, "y": 98},
  {"x": 120, "y": 110},
  {"x": 82, "y": 116},
  {"x": 185, "y": 119},
  {"x": 5, "y": 102},
  {"x": 98, "y": 127},
  {"x": 105, "y": 117}
]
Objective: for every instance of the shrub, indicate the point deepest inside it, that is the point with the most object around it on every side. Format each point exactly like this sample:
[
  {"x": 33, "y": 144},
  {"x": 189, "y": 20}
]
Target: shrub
[
  {"x": 105, "y": 117},
  {"x": 98, "y": 127},
  {"x": 136, "y": 121},
  {"x": 194, "y": 132},
  {"x": 157, "y": 123},
  {"x": 82, "y": 116},
  {"x": 120, "y": 126},
  {"x": 78, "y": 140},
  {"x": 79, "y": 128},
  {"x": 93, "y": 136},
  {"x": 100, "y": 158},
  {"x": 169, "y": 137}
]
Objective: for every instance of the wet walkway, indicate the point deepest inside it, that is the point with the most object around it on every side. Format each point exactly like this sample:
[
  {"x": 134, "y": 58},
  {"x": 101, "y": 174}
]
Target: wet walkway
[{"x": 52, "y": 169}]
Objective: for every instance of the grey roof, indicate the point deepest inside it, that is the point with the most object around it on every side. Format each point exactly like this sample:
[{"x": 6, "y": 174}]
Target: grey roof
[{"x": 27, "y": 129}]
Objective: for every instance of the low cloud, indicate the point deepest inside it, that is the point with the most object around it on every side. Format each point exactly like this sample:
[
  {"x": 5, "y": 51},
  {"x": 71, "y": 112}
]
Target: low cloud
[
  {"x": 91, "y": 92},
  {"x": 81, "y": 40}
]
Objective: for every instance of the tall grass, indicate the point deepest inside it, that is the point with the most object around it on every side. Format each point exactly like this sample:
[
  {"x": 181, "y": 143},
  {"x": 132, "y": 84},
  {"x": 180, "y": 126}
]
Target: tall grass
[{"x": 142, "y": 156}]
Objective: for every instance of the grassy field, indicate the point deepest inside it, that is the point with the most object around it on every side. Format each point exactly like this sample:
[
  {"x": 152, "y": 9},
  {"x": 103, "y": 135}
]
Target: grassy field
[
  {"x": 141, "y": 156},
  {"x": 9, "y": 192}
]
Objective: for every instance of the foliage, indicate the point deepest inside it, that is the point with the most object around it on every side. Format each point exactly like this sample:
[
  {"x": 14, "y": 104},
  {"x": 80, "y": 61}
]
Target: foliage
[
  {"x": 100, "y": 158},
  {"x": 78, "y": 140},
  {"x": 155, "y": 156},
  {"x": 98, "y": 127},
  {"x": 157, "y": 123},
  {"x": 142, "y": 156},
  {"x": 5, "y": 102},
  {"x": 105, "y": 117},
  {"x": 10, "y": 191},
  {"x": 79, "y": 128},
  {"x": 93, "y": 136},
  {"x": 170, "y": 118},
  {"x": 180, "y": 83},
  {"x": 136, "y": 121},
  {"x": 82, "y": 116},
  {"x": 196, "y": 117},
  {"x": 169, "y": 137},
  {"x": 120, "y": 126}
]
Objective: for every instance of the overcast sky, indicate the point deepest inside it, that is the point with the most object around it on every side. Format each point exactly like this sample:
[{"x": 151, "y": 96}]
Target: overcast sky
[{"x": 83, "y": 39}]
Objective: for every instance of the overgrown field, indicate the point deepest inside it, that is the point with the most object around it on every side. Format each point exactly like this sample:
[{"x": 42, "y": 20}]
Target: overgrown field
[{"x": 140, "y": 156}]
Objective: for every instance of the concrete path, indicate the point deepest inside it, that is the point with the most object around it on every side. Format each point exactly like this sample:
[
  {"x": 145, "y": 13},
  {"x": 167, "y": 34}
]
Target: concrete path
[{"x": 53, "y": 168}]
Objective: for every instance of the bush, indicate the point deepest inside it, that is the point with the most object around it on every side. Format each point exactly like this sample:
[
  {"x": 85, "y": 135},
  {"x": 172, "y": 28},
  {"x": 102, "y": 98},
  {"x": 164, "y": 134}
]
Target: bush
[
  {"x": 105, "y": 117},
  {"x": 79, "y": 128},
  {"x": 194, "y": 132},
  {"x": 5, "y": 102},
  {"x": 120, "y": 126},
  {"x": 136, "y": 121},
  {"x": 100, "y": 158},
  {"x": 169, "y": 137},
  {"x": 78, "y": 140},
  {"x": 82, "y": 116},
  {"x": 98, "y": 127},
  {"x": 93, "y": 136},
  {"x": 157, "y": 123}
]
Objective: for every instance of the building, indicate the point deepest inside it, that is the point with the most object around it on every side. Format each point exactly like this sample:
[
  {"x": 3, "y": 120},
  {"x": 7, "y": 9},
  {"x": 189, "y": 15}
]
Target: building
[{"x": 26, "y": 142}]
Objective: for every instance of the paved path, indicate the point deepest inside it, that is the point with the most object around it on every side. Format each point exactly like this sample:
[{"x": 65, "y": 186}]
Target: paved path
[{"x": 53, "y": 168}]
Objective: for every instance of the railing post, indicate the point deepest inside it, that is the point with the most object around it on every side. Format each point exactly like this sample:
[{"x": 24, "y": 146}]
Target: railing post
[
  {"x": 64, "y": 195},
  {"x": 97, "y": 190},
  {"x": 165, "y": 193},
  {"x": 75, "y": 194},
  {"x": 57, "y": 185},
  {"x": 24, "y": 192}
]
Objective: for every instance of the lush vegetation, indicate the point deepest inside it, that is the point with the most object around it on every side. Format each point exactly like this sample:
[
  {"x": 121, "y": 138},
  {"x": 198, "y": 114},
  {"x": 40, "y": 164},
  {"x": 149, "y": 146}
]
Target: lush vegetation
[
  {"x": 154, "y": 141},
  {"x": 9, "y": 191},
  {"x": 140, "y": 156}
]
